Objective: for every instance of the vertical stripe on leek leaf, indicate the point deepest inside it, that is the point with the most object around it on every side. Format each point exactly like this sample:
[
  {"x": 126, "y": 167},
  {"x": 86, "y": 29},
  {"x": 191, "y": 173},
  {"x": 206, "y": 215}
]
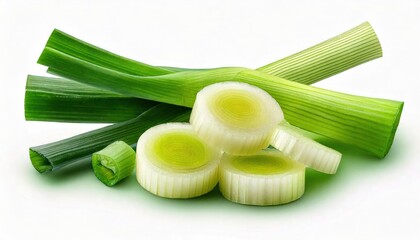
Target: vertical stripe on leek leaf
[
  {"x": 52, "y": 156},
  {"x": 62, "y": 100},
  {"x": 367, "y": 123}
]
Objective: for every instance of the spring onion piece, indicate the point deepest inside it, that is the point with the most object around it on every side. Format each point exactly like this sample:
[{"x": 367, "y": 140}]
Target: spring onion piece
[
  {"x": 367, "y": 123},
  {"x": 347, "y": 50},
  {"x": 53, "y": 156},
  {"x": 173, "y": 162},
  {"x": 266, "y": 178},
  {"x": 62, "y": 100},
  {"x": 114, "y": 163},
  {"x": 300, "y": 148},
  {"x": 235, "y": 117}
]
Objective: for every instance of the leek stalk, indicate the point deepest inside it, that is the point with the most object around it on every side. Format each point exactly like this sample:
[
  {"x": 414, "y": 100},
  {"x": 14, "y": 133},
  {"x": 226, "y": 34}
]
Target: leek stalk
[
  {"x": 45, "y": 99},
  {"x": 367, "y": 123},
  {"x": 62, "y": 100},
  {"x": 53, "y": 156}
]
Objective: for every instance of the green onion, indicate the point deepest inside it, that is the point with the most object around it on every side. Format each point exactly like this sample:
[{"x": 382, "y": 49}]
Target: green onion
[
  {"x": 52, "y": 156},
  {"x": 367, "y": 123},
  {"x": 114, "y": 163},
  {"x": 62, "y": 100},
  {"x": 173, "y": 162},
  {"x": 266, "y": 178}
]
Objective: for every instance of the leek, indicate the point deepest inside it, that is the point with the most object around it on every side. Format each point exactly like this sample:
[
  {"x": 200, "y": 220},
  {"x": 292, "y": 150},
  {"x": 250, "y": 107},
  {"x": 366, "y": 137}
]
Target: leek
[
  {"x": 298, "y": 147},
  {"x": 266, "y": 178},
  {"x": 235, "y": 117},
  {"x": 173, "y": 162},
  {"x": 344, "y": 51},
  {"x": 367, "y": 123},
  {"x": 62, "y": 100},
  {"x": 347, "y": 50},
  {"x": 114, "y": 163},
  {"x": 53, "y": 156}
]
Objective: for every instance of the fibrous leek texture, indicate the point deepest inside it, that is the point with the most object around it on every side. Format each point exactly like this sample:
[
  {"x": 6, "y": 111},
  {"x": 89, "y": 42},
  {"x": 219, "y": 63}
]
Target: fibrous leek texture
[{"x": 347, "y": 50}]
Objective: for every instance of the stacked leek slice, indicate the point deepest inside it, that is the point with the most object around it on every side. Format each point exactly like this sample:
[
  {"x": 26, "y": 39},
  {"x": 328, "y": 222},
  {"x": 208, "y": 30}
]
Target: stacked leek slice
[{"x": 99, "y": 86}]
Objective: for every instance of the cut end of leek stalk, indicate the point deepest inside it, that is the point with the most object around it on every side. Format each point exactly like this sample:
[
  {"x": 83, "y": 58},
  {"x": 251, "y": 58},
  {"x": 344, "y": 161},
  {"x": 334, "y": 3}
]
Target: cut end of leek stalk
[
  {"x": 40, "y": 163},
  {"x": 305, "y": 150},
  {"x": 173, "y": 162},
  {"x": 114, "y": 163},
  {"x": 236, "y": 117},
  {"x": 266, "y": 178}
]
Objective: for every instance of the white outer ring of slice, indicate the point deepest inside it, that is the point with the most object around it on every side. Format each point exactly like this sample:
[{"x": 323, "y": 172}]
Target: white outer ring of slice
[
  {"x": 231, "y": 139},
  {"x": 171, "y": 183},
  {"x": 261, "y": 189}
]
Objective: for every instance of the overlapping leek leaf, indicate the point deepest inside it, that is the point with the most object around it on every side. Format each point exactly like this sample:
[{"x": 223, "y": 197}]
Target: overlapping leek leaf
[
  {"x": 52, "y": 156},
  {"x": 62, "y": 100}
]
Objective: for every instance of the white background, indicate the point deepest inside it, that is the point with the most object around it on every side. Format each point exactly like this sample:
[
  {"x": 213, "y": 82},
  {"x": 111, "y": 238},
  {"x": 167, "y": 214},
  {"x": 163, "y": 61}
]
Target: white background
[{"x": 367, "y": 199}]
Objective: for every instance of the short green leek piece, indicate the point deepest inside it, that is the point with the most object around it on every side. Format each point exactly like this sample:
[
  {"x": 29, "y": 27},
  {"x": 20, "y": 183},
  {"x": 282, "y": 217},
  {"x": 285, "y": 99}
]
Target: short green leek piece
[
  {"x": 114, "y": 163},
  {"x": 235, "y": 117},
  {"x": 53, "y": 156},
  {"x": 62, "y": 100},
  {"x": 367, "y": 123},
  {"x": 344, "y": 51},
  {"x": 266, "y": 178},
  {"x": 173, "y": 162}
]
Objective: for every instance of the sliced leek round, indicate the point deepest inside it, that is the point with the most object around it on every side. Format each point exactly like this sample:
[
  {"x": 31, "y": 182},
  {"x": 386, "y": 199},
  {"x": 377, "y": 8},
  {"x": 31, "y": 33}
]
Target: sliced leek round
[
  {"x": 300, "y": 148},
  {"x": 114, "y": 163},
  {"x": 266, "y": 178},
  {"x": 236, "y": 117},
  {"x": 173, "y": 162}
]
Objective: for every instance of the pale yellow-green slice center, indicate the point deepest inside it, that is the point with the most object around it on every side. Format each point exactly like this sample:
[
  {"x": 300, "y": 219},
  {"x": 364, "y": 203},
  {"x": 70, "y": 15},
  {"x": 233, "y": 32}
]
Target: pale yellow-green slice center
[
  {"x": 261, "y": 164},
  {"x": 180, "y": 151},
  {"x": 237, "y": 108}
]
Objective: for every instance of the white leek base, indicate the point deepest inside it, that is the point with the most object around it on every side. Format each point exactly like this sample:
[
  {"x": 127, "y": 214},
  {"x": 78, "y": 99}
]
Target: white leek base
[
  {"x": 305, "y": 150},
  {"x": 260, "y": 189}
]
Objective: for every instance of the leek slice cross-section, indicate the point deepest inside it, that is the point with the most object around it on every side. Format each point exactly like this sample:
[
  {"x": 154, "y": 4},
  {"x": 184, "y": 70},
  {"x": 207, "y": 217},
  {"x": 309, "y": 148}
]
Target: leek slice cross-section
[
  {"x": 235, "y": 117},
  {"x": 266, "y": 178},
  {"x": 173, "y": 162}
]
